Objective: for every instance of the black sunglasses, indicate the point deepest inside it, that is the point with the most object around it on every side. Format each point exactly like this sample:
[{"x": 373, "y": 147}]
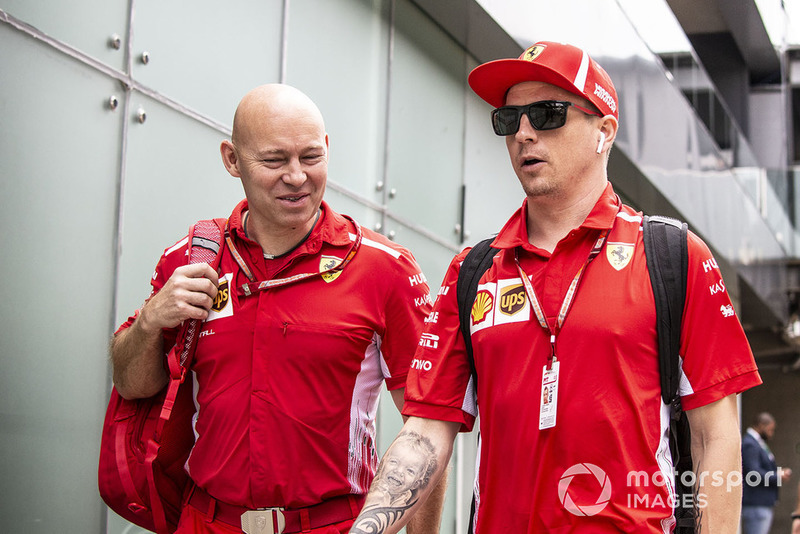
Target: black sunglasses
[{"x": 543, "y": 115}]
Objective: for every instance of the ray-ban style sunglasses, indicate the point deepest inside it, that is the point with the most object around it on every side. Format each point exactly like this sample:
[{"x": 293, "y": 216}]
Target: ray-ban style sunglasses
[{"x": 543, "y": 115}]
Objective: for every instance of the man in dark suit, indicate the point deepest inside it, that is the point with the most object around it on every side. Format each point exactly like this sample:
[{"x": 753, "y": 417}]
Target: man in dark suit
[{"x": 762, "y": 476}]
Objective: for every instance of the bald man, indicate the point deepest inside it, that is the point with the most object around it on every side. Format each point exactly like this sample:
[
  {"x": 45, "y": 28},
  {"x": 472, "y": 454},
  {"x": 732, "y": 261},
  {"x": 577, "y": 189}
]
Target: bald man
[{"x": 286, "y": 380}]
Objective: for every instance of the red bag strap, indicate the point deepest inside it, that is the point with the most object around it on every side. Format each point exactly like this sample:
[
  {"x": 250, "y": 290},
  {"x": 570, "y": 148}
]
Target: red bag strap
[{"x": 205, "y": 246}]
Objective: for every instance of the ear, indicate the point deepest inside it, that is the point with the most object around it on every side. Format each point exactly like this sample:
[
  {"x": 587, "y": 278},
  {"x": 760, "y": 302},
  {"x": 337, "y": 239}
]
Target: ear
[
  {"x": 229, "y": 158},
  {"x": 608, "y": 132}
]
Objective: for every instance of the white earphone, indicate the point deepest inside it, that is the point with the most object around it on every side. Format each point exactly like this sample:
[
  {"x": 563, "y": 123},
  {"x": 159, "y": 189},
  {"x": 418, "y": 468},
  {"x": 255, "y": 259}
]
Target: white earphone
[{"x": 602, "y": 141}]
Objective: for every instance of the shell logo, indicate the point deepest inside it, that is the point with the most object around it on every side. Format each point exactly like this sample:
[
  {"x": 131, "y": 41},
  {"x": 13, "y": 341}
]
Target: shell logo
[{"x": 483, "y": 305}]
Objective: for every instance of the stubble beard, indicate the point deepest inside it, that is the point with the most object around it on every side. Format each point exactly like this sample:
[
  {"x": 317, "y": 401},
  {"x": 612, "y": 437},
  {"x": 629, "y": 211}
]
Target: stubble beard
[{"x": 539, "y": 188}]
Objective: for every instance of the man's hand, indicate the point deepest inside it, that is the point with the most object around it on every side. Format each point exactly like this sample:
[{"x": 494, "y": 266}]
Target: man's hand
[
  {"x": 785, "y": 473},
  {"x": 188, "y": 294},
  {"x": 137, "y": 352}
]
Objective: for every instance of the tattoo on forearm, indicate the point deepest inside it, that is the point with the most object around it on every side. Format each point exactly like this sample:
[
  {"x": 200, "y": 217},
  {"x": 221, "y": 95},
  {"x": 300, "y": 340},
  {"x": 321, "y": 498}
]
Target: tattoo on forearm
[
  {"x": 405, "y": 471},
  {"x": 376, "y": 520},
  {"x": 697, "y": 510}
]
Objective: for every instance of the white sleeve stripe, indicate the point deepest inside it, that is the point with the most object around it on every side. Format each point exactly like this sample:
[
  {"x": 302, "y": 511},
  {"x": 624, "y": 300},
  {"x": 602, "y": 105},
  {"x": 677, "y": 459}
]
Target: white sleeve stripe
[
  {"x": 374, "y": 244},
  {"x": 177, "y": 245},
  {"x": 629, "y": 218}
]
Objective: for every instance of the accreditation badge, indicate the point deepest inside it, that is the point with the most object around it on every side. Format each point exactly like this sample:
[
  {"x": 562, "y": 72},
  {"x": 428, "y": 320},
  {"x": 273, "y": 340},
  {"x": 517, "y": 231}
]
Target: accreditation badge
[{"x": 549, "y": 397}]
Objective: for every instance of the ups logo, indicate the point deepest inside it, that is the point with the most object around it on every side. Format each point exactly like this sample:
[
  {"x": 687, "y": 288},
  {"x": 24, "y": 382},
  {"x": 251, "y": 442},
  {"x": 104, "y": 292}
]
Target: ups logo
[
  {"x": 512, "y": 299},
  {"x": 223, "y": 295}
]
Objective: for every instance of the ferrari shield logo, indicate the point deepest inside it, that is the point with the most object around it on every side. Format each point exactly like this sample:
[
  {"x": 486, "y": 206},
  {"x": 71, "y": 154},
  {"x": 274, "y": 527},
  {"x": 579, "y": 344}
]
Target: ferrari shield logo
[
  {"x": 533, "y": 52},
  {"x": 619, "y": 254},
  {"x": 326, "y": 263}
]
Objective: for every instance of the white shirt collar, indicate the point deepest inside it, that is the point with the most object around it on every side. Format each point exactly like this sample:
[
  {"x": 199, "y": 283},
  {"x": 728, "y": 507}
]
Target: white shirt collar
[{"x": 758, "y": 438}]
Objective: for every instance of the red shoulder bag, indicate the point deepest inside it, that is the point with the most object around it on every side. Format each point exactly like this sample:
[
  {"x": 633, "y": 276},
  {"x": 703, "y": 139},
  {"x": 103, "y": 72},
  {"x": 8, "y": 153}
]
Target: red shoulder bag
[{"x": 146, "y": 442}]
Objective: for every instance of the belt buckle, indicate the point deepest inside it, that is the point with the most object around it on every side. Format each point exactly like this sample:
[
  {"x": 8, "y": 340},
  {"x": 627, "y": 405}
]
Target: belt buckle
[{"x": 263, "y": 521}]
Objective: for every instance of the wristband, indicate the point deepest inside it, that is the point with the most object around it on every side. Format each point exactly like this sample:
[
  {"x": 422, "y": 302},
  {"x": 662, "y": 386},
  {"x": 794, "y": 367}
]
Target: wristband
[{"x": 795, "y": 516}]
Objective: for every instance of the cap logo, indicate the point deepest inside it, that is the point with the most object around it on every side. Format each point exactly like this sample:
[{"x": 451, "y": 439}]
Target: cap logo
[
  {"x": 602, "y": 94},
  {"x": 533, "y": 52}
]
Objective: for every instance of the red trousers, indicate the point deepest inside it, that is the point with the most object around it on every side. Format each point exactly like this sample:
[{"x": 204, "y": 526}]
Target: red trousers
[{"x": 193, "y": 521}]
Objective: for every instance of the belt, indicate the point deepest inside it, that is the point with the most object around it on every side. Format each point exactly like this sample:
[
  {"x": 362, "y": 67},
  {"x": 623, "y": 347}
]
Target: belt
[{"x": 281, "y": 520}]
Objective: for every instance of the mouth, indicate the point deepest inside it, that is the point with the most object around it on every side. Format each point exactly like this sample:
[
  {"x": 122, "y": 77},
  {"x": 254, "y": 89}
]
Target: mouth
[
  {"x": 393, "y": 481},
  {"x": 293, "y": 199},
  {"x": 530, "y": 162}
]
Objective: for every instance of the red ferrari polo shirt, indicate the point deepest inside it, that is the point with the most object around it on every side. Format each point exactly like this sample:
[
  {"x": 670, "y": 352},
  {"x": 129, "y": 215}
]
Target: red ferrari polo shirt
[
  {"x": 287, "y": 380},
  {"x": 602, "y": 465}
]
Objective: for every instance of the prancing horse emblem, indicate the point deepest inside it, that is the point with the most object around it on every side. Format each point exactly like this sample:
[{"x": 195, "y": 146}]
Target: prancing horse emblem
[
  {"x": 619, "y": 254},
  {"x": 326, "y": 263}
]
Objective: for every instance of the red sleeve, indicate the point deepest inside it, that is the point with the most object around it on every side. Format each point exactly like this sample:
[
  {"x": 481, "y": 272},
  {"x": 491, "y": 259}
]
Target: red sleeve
[
  {"x": 439, "y": 382},
  {"x": 171, "y": 259},
  {"x": 408, "y": 304},
  {"x": 716, "y": 356}
]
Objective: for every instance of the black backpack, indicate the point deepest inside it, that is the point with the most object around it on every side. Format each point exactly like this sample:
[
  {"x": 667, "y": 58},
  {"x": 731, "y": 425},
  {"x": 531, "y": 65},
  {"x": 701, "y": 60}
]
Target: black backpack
[{"x": 667, "y": 256}]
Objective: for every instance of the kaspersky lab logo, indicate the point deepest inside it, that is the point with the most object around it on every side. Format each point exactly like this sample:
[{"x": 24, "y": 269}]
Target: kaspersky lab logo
[{"x": 584, "y": 508}]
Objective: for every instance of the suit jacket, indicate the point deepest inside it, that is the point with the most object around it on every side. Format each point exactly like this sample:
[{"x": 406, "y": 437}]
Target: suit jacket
[{"x": 761, "y": 490}]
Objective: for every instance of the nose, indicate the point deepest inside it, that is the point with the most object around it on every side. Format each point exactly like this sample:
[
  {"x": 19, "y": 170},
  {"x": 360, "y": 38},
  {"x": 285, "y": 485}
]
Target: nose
[
  {"x": 294, "y": 175},
  {"x": 526, "y": 131}
]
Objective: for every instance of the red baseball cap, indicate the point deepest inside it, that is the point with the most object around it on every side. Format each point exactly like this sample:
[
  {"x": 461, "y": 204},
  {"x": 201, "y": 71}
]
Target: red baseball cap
[{"x": 562, "y": 65}]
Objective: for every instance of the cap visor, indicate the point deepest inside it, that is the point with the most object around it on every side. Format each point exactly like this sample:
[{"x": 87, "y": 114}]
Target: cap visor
[{"x": 491, "y": 81}]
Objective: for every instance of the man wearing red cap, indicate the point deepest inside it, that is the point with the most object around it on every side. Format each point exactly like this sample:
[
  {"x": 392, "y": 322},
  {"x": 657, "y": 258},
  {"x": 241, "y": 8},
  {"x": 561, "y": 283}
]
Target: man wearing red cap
[{"x": 574, "y": 434}]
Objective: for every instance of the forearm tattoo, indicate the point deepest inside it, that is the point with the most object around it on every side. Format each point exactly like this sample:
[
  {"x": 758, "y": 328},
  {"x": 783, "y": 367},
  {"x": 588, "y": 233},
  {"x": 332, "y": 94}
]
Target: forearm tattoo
[
  {"x": 405, "y": 471},
  {"x": 377, "y": 520}
]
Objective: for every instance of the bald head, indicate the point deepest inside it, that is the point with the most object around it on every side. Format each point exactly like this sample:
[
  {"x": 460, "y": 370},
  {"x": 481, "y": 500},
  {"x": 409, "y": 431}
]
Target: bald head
[
  {"x": 266, "y": 105},
  {"x": 279, "y": 151}
]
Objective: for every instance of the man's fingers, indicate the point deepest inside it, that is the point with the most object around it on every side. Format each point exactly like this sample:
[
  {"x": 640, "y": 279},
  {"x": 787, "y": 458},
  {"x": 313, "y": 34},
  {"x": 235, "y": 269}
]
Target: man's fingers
[
  {"x": 198, "y": 270},
  {"x": 198, "y": 277},
  {"x": 185, "y": 287},
  {"x": 190, "y": 311},
  {"x": 188, "y": 294}
]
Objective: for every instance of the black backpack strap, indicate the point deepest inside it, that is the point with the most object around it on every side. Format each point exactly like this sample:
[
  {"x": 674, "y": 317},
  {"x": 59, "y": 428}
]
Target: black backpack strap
[
  {"x": 477, "y": 261},
  {"x": 668, "y": 261},
  {"x": 667, "y": 253},
  {"x": 474, "y": 265}
]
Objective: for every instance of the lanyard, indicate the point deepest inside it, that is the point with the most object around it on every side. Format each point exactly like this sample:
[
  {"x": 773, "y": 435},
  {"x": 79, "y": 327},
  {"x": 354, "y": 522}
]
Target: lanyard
[
  {"x": 569, "y": 298},
  {"x": 254, "y": 286}
]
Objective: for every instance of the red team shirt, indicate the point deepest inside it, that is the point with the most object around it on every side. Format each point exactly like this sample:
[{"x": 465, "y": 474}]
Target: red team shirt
[
  {"x": 604, "y": 464},
  {"x": 287, "y": 381}
]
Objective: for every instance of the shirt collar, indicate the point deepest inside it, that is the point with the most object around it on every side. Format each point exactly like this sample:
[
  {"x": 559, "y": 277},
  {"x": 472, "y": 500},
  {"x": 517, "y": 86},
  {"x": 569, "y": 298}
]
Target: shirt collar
[
  {"x": 756, "y": 436},
  {"x": 332, "y": 228},
  {"x": 515, "y": 232}
]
